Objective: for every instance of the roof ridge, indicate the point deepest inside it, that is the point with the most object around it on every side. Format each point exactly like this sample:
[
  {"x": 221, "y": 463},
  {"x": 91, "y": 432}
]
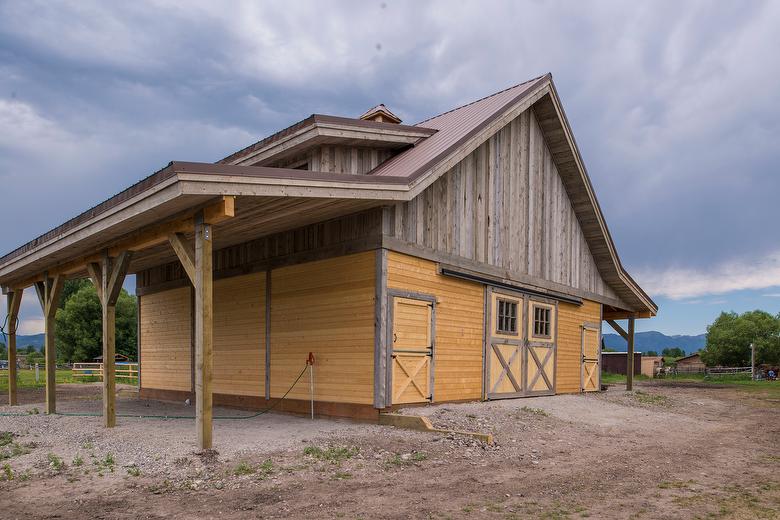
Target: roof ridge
[{"x": 481, "y": 99}]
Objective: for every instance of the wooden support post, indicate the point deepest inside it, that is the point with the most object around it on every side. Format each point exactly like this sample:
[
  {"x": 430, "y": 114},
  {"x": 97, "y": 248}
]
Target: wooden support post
[
  {"x": 14, "y": 301},
  {"x": 108, "y": 278},
  {"x": 49, "y": 295},
  {"x": 197, "y": 263},
  {"x": 630, "y": 354},
  {"x": 203, "y": 284}
]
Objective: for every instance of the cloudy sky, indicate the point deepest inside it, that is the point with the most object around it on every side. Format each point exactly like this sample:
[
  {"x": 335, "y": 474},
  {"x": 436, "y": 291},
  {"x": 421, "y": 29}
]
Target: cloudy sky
[{"x": 676, "y": 108}]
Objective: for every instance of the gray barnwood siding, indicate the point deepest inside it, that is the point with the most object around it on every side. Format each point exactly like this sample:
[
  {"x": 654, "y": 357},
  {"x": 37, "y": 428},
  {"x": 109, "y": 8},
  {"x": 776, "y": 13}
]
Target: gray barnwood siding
[
  {"x": 505, "y": 205},
  {"x": 337, "y": 159}
]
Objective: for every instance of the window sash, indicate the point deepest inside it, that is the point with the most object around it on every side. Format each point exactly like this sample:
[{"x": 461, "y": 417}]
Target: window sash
[{"x": 506, "y": 319}]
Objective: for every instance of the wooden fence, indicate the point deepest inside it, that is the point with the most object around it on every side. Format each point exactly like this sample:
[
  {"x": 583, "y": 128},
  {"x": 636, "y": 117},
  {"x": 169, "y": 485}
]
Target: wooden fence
[{"x": 123, "y": 370}]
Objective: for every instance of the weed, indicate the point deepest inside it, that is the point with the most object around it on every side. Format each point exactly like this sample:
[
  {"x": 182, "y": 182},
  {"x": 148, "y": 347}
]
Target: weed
[
  {"x": 8, "y": 473},
  {"x": 25, "y": 476},
  {"x": 407, "y": 458},
  {"x": 87, "y": 446},
  {"x": 333, "y": 454},
  {"x": 468, "y": 509},
  {"x": 77, "y": 461},
  {"x": 34, "y": 411},
  {"x": 55, "y": 462},
  {"x": 265, "y": 469},
  {"x": 6, "y": 438},
  {"x": 133, "y": 471},
  {"x": 106, "y": 463},
  {"x": 243, "y": 468},
  {"x": 535, "y": 411},
  {"x": 652, "y": 399}
]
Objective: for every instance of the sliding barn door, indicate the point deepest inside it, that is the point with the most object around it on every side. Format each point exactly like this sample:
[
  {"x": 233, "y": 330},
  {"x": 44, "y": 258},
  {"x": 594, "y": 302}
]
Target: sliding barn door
[
  {"x": 540, "y": 347},
  {"x": 504, "y": 352},
  {"x": 412, "y": 352}
]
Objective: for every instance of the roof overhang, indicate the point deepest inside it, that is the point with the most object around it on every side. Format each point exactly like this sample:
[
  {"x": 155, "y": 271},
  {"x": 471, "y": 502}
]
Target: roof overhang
[
  {"x": 326, "y": 130},
  {"x": 180, "y": 190}
]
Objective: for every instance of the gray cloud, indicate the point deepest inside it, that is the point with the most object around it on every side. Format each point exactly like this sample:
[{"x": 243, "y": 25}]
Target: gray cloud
[{"x": 675, "y": 106}]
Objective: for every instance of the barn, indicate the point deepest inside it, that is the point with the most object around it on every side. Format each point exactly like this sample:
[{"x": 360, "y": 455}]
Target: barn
[{"x": 461, "y": 258}]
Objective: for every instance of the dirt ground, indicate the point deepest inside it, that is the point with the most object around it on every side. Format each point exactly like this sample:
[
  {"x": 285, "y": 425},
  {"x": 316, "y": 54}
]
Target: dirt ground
[{"x": 661, "y": 452}]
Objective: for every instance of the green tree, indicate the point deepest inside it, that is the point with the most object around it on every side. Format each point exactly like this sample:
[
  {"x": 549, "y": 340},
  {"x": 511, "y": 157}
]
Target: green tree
[
  {"x": 3, "y": 351},
  {"x": 673, "y": 352},
  {"x": 651, "y": 353},
  {"x": 730, "y": 335},
  {"x": 71, "y": 287},
  {"x": 80, "y": 326}
]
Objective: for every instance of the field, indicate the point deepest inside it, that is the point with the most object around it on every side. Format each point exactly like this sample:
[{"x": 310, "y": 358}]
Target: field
[{"x": 670, "y": 449}]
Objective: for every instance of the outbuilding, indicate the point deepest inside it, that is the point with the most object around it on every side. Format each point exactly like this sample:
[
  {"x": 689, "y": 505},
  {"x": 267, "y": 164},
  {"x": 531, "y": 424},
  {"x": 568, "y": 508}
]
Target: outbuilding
[
  {"x": 461, "y": 258},
  {"x": 691, "y": 363}
]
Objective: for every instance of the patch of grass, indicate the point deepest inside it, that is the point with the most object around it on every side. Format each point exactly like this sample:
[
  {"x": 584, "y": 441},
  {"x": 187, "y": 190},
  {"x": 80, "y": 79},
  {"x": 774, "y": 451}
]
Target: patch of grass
[
  {"x": 26, "y": 379},
  {"x": 651, "y": 399},
  {"x": 6, "y": 438},
  {"x": 105, "y": 464},
  {"x": 25, "y": 475},
  {"x": 333, "y": 454},
  {"x": 7, "y": 472},
  {"x": 265, "y": 469},
  {"x": 535, "y": 411},
  {"x": 77, "y": 461},
  {"x": 407, "y": 458},
  {"x": 243, "y": 468},
  {"x": 608, "y": 378},
  {"x": 87, "y": 446},
  {"x": 56, "y": 463},
  {"x": 14, "y": 450},
  {"x": 133, "y": 471}
]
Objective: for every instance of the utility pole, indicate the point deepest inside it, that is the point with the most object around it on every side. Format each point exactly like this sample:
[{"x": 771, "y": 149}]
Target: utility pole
[{"x": 752, "y": 361}]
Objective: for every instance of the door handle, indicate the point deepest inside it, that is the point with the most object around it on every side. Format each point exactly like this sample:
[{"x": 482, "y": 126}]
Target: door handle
[{"x": 395, "y": 337}]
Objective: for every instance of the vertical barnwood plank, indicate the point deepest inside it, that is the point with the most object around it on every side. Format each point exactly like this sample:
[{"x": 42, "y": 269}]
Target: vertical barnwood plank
[
  {"x": 513, "y": 198},
  {"x": 203, "y": 284},
  {"x": 533, "y": 190},
  {"x": 467, "y": 244},
  {"x": 14, "y": 302},
  {"x": 491, "y": 200},
  {"x": 506, "y": 204},
  {"x": 482, "y": 199},
  {"x": 523, "y": 191},
  {"x": 354, "y": 161}
]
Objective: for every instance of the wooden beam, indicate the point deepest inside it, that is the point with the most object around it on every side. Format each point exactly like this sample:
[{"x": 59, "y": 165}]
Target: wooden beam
[
  {"x": 111, "y": 276},
  {"x": 618, "y": 329},
  {"x": 51, "y": 298},
  {"x": 96, "y": 275},
  {"x": 186, "y": 253},
  {"x": 203, "y": 284},
  {"x": 14, "y": 301},
  {"x": 630, "y": 355}
]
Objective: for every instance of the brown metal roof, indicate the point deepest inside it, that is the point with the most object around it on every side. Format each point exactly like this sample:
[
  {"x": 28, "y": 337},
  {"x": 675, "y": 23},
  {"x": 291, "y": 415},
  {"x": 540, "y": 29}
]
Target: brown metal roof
[{"x": 454, "y": 128}]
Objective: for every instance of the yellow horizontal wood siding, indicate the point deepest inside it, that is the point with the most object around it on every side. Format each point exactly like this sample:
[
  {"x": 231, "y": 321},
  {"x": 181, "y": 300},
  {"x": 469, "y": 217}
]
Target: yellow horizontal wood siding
[
  {"x": 570, "y": 320},
  {"x": 325, "y": 307},
  {"x": 239, "y": 335},
  {"x": 166, "y": 340},
  {"x": 459, "y": 324}
]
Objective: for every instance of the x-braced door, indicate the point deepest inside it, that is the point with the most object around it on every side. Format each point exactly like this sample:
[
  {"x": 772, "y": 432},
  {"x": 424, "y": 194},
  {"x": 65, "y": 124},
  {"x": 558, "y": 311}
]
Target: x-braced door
[
  {"x": 590, "y": 375},
  {"x": 541, "y": 347},
  {"x": 412, "y": 350},
  {"x": 504, "y": 346}
]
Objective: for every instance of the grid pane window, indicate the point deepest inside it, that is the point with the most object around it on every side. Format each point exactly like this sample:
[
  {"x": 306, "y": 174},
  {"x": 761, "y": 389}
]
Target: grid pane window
[
  {"x": 507, "y": 317},
  {"x": 542, "y": 321}
]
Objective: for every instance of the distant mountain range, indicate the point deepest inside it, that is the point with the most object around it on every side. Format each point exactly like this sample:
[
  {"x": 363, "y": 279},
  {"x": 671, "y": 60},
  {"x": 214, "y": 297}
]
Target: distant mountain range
[
  {"x": 657, "y": 341},
  {"x": 36, "y": 340}
]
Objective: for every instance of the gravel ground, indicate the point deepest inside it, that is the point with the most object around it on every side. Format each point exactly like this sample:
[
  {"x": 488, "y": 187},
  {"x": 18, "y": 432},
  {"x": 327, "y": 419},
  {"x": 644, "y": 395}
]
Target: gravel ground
[{"x": 660, "y": 452}]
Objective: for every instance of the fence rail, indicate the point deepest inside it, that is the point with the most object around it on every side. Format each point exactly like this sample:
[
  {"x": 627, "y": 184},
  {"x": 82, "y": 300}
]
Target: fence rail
[{"x": 123, "y": 370}]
